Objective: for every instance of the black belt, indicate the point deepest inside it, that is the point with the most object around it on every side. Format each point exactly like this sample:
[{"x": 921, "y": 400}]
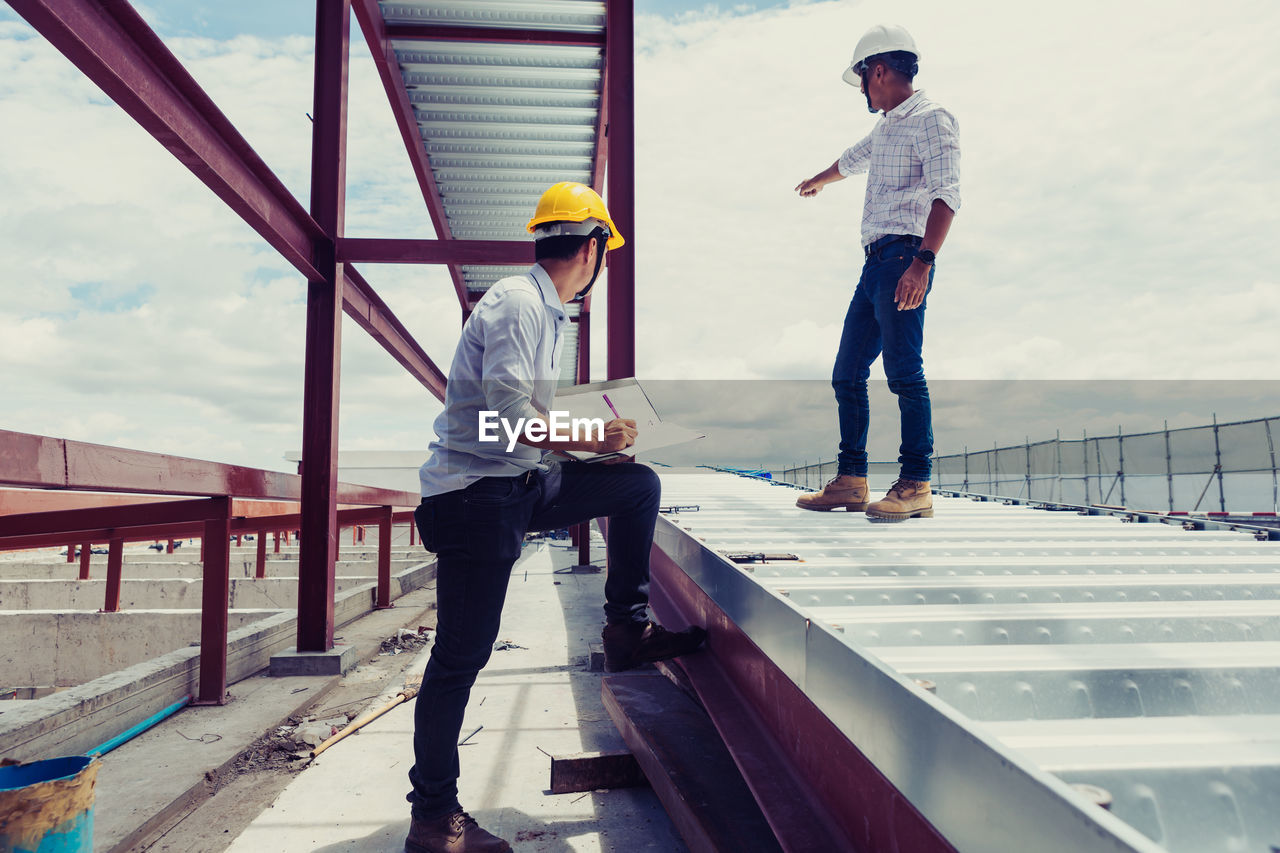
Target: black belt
[{"x": 877, "y": 245}]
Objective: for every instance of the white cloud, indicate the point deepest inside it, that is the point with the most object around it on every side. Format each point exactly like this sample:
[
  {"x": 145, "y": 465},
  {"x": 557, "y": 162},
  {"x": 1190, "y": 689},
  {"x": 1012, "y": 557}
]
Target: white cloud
[{"x": 1118, "y": 193}]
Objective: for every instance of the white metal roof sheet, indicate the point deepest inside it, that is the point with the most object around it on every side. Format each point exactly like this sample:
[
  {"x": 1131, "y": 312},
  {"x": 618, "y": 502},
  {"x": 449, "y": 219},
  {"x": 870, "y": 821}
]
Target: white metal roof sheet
[{"x": 1142, "y": 658}]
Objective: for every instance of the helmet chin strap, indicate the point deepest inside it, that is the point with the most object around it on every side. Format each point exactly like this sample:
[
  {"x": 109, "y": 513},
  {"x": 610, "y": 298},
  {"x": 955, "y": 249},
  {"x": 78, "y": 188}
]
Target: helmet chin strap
[
  {"x": 601, "y": 239},
  {"x": 866, "y": 91}
]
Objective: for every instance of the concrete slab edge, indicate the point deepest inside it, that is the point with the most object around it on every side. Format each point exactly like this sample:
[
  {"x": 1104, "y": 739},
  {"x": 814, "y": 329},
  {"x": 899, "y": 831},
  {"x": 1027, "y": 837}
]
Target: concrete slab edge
[
  {"x": 162, "y": 821},
  {"x": 73, "y": 721},
  {"x": 185, "y": 802}
]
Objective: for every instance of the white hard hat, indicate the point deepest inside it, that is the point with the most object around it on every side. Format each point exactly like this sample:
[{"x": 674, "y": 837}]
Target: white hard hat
[{"x": 882, "y": 38}]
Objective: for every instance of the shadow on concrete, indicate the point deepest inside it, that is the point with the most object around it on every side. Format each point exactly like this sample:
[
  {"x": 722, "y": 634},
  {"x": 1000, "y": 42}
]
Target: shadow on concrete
[{"x": 536, "y": 836}]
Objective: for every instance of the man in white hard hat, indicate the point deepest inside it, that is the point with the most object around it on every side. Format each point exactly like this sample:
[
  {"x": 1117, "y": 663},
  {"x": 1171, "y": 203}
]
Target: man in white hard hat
[
  {"x": 912, "y": 157},
  {"x": 480, "y": 496}
]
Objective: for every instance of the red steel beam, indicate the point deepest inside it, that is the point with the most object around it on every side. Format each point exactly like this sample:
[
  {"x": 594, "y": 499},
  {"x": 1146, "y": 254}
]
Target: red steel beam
[
  {"x": 620, "y": 98},
  {"x": 39, "y": 461},
  {"x": 319, "y": 546},
  {"x": 114, "y": 47},
  {"x": 374, "y": 27},
  {"x": 182, "y": 530},
  {"x": 62, "y": 522},
  {"x": 104, "y": 534},
  {"x": 492, "y": 35},
  {"x": 364, "y": 306},
  {"x": 602, "y": 132},
  {"x": 819, "y": 794},
  {"x": 397, "y": 251}
]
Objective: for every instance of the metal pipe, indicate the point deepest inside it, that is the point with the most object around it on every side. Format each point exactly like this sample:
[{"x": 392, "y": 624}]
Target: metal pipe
[
  {"x": 130, "y": 734},
  {"x": 1275, "y": 485},
  {"x": 1217, "y": 453}
]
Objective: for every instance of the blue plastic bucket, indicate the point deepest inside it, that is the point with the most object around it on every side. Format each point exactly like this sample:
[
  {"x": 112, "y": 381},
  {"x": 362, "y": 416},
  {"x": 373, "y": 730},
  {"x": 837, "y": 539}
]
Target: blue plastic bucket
[{"x": 47, "y": 806}]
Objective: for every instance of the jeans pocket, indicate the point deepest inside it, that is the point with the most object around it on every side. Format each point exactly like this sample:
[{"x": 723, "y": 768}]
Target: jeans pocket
[
  {"x": 492, "y": 491},
  {"x": 425, "y": 517}
]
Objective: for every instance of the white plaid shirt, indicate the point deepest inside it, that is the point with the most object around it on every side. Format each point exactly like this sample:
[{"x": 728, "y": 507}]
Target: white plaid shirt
[{"x": 912, "y": 156}]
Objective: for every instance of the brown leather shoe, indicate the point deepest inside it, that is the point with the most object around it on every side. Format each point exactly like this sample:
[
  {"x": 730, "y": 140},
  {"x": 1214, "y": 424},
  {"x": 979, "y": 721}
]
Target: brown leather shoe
[
  {"x": 845, "y": 491},
  {"x": 906, "y": 499},
  {"x": 629, "y": 644},
  {"x": 456, "y": 832}
]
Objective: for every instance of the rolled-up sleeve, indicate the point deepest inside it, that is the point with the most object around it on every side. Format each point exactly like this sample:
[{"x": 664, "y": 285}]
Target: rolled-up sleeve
[
  {"x": 938, "y": 148},
  {"x": 856, "y": 159},
  {"x": 511, "y": 333}
]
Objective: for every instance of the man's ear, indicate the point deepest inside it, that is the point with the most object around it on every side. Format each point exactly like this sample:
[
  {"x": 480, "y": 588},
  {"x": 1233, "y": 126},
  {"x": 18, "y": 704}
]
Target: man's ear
[{"x": 584, "y": 254}]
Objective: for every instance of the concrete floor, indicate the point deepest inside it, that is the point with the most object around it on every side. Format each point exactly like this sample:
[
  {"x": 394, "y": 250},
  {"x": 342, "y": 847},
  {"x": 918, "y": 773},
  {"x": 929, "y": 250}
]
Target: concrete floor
[{"x": 528, "y": 700}]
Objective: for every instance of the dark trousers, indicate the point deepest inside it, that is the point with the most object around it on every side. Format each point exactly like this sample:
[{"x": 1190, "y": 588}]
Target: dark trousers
[
  {"x": 872, "y": 325},
  {"x": 476, "y": 534}
]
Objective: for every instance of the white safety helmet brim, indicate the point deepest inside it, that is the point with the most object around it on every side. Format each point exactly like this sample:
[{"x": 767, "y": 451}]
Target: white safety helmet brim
[{"x": 882, "y": 38}]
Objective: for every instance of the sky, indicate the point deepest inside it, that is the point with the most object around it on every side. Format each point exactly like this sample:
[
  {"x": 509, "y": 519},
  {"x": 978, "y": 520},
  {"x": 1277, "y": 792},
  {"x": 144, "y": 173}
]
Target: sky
[{"x": 1111, "y": 263}]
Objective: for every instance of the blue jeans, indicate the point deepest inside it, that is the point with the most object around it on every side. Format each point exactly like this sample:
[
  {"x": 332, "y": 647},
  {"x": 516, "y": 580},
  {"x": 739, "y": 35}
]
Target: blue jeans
[
  {"x": 476, "y": 534},
  {"x": 875, "y": 324}
]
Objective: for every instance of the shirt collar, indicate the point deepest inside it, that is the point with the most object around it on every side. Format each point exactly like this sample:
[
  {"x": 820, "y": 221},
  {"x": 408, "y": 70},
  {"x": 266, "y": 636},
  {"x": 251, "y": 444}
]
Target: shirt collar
[
  {"x": 549, "y": 294},
  {"x": 904, "y": 109}
]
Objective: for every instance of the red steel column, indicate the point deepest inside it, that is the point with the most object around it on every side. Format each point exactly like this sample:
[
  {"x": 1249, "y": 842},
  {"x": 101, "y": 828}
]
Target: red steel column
[
  {"x": 620, "y": 64},
  {"x": 215, "y": 600},
  {"x": 319, "y": 543},
  {"x": 384, "y": 558},
  {"x": 71, "y": 553},
  {"x": 115, "y": 564},
  {"x": 262, "y": 555},
  {"x": 86, "y": 554}
]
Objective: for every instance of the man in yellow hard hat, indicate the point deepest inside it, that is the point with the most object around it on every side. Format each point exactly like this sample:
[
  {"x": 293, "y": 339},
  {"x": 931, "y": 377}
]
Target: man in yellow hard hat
[
  {"x": 912, "y": 157},
  {"x": 480, "y": 498}
]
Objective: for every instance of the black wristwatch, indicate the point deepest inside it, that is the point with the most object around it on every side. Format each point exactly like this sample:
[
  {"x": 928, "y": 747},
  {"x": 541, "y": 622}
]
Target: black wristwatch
[{"x": 925, "y": 256}]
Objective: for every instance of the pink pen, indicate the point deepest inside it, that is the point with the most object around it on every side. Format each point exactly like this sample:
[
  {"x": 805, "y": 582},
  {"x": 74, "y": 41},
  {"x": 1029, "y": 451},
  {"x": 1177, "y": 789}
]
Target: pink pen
[{"x": 608, "y": 403}]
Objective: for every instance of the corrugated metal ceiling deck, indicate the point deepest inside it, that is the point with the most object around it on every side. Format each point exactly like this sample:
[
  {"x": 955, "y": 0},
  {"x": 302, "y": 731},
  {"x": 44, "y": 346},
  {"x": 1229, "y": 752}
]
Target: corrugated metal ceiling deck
[{"x": 501, "y": 122}]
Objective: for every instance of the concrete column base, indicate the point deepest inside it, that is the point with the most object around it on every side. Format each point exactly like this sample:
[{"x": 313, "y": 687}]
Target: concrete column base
[{"x": 337, "y": 661}]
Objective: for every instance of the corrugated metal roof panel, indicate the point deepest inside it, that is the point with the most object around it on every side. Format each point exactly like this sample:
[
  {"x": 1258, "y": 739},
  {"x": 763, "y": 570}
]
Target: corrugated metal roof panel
[
  {"x": 1141, "y": 658},
  {"x": 500, "y": 122}
]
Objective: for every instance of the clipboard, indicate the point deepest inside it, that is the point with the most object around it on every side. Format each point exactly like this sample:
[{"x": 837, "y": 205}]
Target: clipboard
[{"x": 621, "y": 398}]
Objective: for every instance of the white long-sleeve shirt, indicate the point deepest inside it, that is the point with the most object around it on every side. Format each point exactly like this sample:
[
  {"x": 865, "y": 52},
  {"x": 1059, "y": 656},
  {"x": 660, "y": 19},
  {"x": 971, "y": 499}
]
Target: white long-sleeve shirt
[
  {"x": 507, "y": 361},
  {"x": 912, "y": 156}
]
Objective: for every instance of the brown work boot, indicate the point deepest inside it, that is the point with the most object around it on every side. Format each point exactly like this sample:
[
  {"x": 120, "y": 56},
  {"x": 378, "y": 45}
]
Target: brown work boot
[
  {"x": 845, "y": 491},
  {"x": 629, "y": 644},
  {"x": 456, "y": 832},
  {"x": 906, "y": 499}
]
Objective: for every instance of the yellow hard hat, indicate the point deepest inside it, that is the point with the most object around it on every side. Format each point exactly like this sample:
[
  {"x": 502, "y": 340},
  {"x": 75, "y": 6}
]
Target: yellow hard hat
[{"x": 568, "y": 204}]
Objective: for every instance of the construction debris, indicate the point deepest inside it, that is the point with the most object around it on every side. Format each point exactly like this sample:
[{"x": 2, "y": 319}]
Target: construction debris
[{"x": 406, "y": 640}]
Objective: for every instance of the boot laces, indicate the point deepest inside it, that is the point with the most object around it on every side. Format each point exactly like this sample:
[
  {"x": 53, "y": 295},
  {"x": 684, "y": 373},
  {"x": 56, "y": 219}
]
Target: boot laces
[
  {"x": 460, "y": 820},
  {"x": 904, "y": 487}
]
